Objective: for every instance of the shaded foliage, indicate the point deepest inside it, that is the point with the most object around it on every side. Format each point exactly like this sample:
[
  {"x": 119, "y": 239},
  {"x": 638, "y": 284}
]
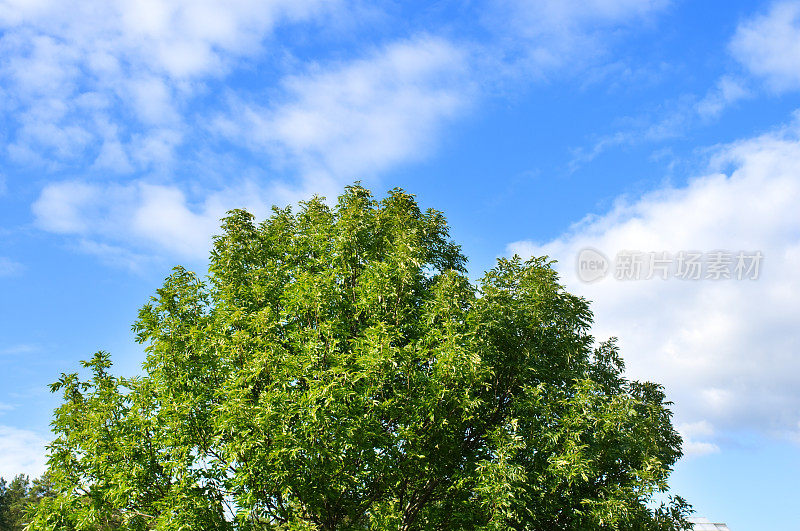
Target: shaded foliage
[{"x": 18, "y": 498}]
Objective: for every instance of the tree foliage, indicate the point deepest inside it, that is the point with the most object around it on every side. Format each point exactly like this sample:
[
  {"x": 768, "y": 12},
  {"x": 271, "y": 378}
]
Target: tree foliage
[
  {"x": 338, "y": 370},
  {"x": 18, "y": 497}
]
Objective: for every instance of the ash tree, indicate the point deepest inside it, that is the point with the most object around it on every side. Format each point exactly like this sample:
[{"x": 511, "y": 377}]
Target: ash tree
[{"x": 337, "y": 369}]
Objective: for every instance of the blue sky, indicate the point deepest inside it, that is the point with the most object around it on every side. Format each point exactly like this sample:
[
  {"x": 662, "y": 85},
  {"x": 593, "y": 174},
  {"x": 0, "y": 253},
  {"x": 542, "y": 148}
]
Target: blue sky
[{"x": 539, "y": 127}]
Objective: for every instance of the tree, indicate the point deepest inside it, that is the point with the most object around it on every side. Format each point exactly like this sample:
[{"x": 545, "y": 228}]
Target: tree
[
  {"x": 338, "y": 370},
  {"x": 18, "y": 497},
  {"x": 12, "y": 500}
]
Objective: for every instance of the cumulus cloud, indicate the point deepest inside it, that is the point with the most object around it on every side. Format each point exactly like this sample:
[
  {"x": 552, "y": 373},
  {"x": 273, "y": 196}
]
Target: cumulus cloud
[
  {"x": 180, "y": 39},
  {"x": 360, "y": 117},
  {"x": 768, "y": 45},
  {"x": 728, "y": 351},
  {"x": 21, "y": 452},
  {"x": 71, "y": 68},
  {"x": 106, "y": 219},
  {"x": 109, "y": 80},
  {"x": 691, "y": 433}
]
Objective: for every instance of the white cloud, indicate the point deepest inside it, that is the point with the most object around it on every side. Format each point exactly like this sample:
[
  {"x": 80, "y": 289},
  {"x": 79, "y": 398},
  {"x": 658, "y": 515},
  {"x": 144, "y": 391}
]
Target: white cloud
[
  {"x": 728, "y": 351},
  {"x": 674, "y": 119},
  {"x": 180, "y": 39},
  {"x": 22, "y": 348},
  {"x": 155, "y": 149},
  {"x": 547, "y": 34},
  {"x": 559, "y": 16},
  {"x": 115, "y": 83},
  {"x": 162, "y": 215},
  {"x": 113, "y": 156},
  {"x": 152, "y": 100},
  {"x": 362, "y": 117},
  {"x": 21, "y": 452},
  {"x": 725, "y": 93},
  {"x": 62, "y": 207},
  {"x": 115, "y": 255},
  {"x": 9, "y": 267},
  {"x": 143, "y": 60},
  {"x": 350, "y": 120},
  {"x": 691, "y": 432},
  {"x": 109, "y": 219},
  {"x": 768, "y": 46}
]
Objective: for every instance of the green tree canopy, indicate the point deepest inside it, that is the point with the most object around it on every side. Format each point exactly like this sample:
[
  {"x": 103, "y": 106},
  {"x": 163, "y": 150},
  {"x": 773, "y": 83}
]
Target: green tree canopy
[{"x": 338, "y": 370}]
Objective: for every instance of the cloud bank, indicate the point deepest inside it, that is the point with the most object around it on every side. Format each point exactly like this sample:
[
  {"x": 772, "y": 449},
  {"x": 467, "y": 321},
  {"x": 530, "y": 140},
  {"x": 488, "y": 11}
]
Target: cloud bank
[
  {"x": 728, "y": 351},
  {"x": 112, "y": 81}
]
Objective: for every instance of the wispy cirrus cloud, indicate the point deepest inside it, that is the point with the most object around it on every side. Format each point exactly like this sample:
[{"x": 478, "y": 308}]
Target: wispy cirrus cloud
[
  {"x": 674, "y": 119},
  {"x": 539, "y": 37},
  {"x": 21, "y": 348},
  {"x": 767, "y": 47}
]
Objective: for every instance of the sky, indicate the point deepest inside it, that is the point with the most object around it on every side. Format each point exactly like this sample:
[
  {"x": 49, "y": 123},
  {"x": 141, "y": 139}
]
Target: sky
[{"x": 638, "y": 129}]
